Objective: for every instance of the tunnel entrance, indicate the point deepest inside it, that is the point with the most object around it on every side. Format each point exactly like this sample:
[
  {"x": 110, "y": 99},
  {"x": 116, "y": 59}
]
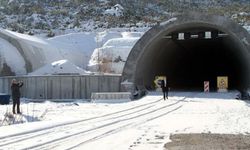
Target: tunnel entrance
[
  {"x": 190, "y": 61},
  {"x": 190, "y": 50}
]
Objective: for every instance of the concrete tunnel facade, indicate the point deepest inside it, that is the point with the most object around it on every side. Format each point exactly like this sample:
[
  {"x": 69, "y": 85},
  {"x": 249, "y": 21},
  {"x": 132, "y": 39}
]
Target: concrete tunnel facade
[{"x": 180, "y": 50}]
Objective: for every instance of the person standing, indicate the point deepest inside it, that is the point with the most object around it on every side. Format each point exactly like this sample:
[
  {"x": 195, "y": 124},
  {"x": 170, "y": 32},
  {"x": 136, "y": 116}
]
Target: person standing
[
  {"x": 16, "y": 94},
  {"x": 166, "y": 89},
  {"x": 163, "y": 87}
]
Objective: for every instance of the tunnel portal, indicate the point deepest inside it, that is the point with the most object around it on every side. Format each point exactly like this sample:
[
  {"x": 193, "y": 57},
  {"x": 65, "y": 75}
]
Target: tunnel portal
[{"x": 189, "y": 50}]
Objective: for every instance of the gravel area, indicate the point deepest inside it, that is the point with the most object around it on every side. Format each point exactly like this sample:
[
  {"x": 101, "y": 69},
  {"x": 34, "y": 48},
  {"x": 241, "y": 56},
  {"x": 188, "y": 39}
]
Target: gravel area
[{"x": 208, "y": 142}]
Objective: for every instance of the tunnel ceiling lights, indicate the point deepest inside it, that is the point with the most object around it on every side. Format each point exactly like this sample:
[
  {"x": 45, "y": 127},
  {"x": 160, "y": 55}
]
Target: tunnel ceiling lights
[{"x": 195, "y": 35}]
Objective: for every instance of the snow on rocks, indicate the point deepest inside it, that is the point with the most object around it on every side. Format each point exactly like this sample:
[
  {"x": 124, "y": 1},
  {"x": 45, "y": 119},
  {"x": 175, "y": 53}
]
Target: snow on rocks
[
  {"x": 112, "y": 56},
  {"x": 247, "y": 28},
  {"x": 116, "y": 10}
]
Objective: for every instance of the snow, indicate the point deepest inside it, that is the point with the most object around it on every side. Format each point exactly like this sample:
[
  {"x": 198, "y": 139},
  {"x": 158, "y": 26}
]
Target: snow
[
  {"x": 23, "y": 36},
  {"x": 247, "y": 28},
  {"x": 116, "y": 10},
  {"x": 11, "y": 56},
  {"x": 59, "y": 67},
  {"x": 134, "y": 125},
  {"x": 112, "y": 55},
  {"x": 168, "y": 21},
  {"x": 77, "y": 48}
]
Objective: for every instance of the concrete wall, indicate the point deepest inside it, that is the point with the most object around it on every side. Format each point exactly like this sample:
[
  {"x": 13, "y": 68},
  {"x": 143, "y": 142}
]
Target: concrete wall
[{"x": 63, "y": 87}]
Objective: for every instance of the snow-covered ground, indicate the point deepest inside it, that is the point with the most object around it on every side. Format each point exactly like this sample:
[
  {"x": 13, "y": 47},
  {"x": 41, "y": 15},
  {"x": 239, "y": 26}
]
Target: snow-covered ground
[{"x": 136, "y": 125}]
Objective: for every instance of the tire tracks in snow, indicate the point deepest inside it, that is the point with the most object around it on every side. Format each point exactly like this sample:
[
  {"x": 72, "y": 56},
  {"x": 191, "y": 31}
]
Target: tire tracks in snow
[
  {"x": 130, "y": 125},
  {"x": 123, "y": 124},
  {"x": 20, "y": 137}
]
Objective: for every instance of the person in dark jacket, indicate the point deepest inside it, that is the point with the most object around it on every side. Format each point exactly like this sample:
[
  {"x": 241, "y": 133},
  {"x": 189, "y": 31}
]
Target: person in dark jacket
[
  {"x": 16, "y": 94},
  {"x": 165, "y": 89}
]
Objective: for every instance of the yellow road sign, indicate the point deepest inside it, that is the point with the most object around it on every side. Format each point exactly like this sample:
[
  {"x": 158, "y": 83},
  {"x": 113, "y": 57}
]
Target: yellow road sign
[
  {"x": 222, "y": 82},
  {"x": 158, "y": 79}
]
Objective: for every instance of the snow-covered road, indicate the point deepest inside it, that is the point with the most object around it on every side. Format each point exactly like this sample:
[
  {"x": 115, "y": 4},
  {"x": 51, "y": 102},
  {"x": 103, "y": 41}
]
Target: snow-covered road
[{"x": 143, "y": 124}]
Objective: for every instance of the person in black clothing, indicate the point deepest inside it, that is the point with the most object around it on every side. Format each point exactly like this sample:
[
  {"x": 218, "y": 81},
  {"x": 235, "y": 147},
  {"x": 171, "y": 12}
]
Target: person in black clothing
[
  {"x": 167, "y": 89},
  {"x": 164, "y": 88},
  {"x": 15, "y": 89}
]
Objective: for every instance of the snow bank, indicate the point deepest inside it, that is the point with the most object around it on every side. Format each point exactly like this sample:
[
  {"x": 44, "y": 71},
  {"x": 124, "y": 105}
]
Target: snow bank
[
  {"x": 76, "y": 47},
  {"x": 59, "y": 67},
  {"x": 247, "y": 28}
]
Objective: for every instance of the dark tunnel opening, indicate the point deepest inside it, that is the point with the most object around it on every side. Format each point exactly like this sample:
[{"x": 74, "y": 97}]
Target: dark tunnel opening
[
  {"x": 190, "y": 49},
  {"x": 188, "y": 63}
]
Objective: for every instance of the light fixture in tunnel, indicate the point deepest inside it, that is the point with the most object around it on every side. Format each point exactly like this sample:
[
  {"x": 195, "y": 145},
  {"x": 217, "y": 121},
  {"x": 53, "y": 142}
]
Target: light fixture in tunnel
[
  {"x": 208, "y": 35},
  {"x": 181, "y": 36},
  {"x": 196, "y": 35}
]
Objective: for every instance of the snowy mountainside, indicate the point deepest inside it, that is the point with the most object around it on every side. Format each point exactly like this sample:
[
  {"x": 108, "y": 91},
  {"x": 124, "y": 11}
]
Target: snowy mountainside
[{"x": 57, "y": 16}]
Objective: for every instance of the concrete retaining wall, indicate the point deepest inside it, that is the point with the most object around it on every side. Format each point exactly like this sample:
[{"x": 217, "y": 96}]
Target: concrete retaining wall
[{"x": 63, "y": 87}]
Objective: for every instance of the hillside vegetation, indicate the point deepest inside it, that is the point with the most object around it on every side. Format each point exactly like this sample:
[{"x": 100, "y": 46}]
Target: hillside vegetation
[{"x": 46, "y": 16}]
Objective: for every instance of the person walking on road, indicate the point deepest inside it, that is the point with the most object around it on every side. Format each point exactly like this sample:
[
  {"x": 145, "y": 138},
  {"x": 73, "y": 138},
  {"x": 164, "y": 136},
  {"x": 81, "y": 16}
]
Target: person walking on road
[
  {"x": 16, "y": 94},
  {"x": 164, "y": 88},
  {"x": 167, "y": 89}
]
